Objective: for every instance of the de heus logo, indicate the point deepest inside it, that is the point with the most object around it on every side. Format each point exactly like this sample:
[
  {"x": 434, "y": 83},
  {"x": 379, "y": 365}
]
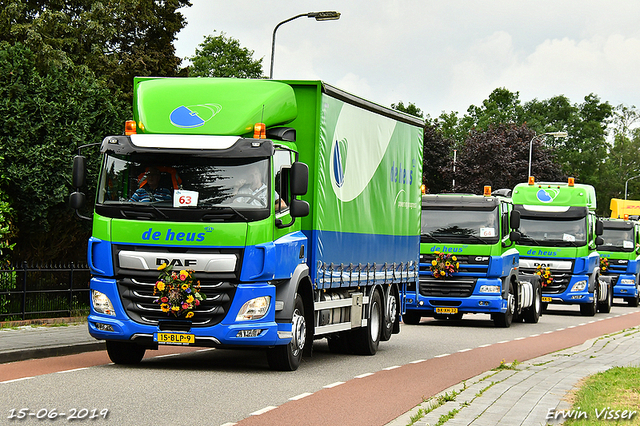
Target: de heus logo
[
  {"x": 191, "y": 116},
  {"x": 151, "y": 235}
]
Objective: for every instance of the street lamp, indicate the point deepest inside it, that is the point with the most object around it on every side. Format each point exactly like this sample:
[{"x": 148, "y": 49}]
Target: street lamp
[
  {"x": 319, "y": 16},
  {"x": 625, "y": 185},
  {"x": 555, "y": 135}
]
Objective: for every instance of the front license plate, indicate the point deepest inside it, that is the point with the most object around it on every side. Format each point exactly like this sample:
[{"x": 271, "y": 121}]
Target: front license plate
[
  {"x": 175, "y": 338},
  {"x": 446, "y": 310},
  {"x": 546, "y": 299}
]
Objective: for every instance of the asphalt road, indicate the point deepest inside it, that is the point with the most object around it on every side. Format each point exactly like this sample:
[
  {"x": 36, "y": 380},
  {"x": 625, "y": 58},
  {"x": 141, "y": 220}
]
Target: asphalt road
[{"x": 218, "y": 387}]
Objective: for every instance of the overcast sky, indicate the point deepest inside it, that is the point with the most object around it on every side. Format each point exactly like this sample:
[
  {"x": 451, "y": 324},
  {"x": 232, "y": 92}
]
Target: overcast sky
[{"x": 442, "y": 55}]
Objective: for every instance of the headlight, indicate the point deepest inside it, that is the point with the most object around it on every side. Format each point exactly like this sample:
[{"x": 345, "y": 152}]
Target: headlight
[
  {"x": 627, "y": 282},
  {"x": 579, "y": 286},
  {"x": 489, "y": 289},
  {"x": 254, "y": 309},
  {"x": 101, "y": 303}
]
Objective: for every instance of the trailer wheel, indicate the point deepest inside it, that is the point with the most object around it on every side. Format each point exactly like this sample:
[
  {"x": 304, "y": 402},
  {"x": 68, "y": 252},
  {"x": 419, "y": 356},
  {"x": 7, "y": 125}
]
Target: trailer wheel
[
  {"x": 532, "y": 313},
  {"x": 504, "y": 320},
  {"x": 605, "y": 307},
  {"x": 590, "y": 309},
  {"x": 288, "y": 357},
  {"x": 411, "y": 317},
  {"x": 125, "y": 353},
  {"x": 366, "y": 339}
]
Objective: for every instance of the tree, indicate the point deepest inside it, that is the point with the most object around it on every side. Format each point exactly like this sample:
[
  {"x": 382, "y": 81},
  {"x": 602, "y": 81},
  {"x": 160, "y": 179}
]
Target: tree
[
  {"x": 437, "y": 158},
  {"x": 410, "y": 109},
  {"x": 42, "y": 123},
  {"x": 117, "y": 40},
  {"x": 498, "y": 157},
  {"x": 221, "y": 56}
]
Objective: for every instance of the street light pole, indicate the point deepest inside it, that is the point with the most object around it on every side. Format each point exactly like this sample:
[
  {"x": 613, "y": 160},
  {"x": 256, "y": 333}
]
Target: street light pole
[
  {"x": 319, "y": 16},
  {"x": 625, "y": 185},
  {"x": 555, "y": 135}
]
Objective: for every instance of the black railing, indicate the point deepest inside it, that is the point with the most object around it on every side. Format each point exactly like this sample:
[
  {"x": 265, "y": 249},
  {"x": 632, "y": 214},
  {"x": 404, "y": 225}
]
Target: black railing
[{"x": 40, "y": 291}]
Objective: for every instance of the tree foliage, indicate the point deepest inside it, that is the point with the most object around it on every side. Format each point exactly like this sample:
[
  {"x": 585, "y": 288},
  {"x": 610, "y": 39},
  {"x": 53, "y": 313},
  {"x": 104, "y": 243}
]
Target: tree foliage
[
  {"x": 221, "y": 56},
  {"x": 116, "y": 39},
  {"x": 410, "y": 109},
  {"x": 42, "y": 125}
]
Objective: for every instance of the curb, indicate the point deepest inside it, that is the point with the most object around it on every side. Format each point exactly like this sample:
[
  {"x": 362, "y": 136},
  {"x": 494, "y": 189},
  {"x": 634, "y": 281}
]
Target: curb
[{"x": 23, "y": 355}]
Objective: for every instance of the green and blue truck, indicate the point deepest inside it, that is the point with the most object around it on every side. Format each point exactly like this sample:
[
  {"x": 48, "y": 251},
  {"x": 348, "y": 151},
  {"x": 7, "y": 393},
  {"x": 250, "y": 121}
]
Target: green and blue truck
[
  {"x": 559, "y": 234},
  {"x": 291, "y": 209},
  {"x": 476, "y": 235},
  {"x": 620, "y": 252}
]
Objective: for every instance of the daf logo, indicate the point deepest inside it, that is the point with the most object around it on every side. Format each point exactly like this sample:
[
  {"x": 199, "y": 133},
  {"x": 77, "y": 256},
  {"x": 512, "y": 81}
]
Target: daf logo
[
  {"x": 176, "y": 262},
  {"x": 544, "y": 265}
]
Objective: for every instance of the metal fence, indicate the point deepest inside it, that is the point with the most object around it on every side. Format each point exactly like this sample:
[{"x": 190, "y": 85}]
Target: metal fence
[{"x": 43, "y": 291}]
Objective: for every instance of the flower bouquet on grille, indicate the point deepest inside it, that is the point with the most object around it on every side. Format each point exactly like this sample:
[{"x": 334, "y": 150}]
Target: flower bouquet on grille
[
  {"x": 545, "y": 276},
  {"x": 178, "y": 293},
  {"x": 604, "y": 264},
  {"x": 444, "y": 265}
]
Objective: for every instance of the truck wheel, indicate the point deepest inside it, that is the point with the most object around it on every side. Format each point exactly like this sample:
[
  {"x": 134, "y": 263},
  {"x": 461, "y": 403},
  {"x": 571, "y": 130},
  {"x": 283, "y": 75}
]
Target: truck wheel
[
  {"x": 287, "y": 357},
  {"x": 605, "y": 307},
  {"x": 390, "y": 318},
  {"x": 411, "y": 318},
  {"x": 532, "y": 313},
  {"x": 589, "y": 309},
  {"x": 125, "y": 353},
  {"x": 366, "y": 339},
  {"x": 504, "y": 320}
]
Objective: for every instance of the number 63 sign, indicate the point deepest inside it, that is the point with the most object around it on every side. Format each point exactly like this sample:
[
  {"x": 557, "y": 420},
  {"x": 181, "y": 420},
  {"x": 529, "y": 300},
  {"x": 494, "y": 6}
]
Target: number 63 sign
[{"x": 182, "y": 198}]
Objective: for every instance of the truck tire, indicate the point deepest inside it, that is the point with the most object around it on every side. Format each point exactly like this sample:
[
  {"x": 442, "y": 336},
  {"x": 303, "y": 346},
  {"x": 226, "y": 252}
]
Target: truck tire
[
  {"x": 590, "y": 309},
  {"x": 532, "y": 314},
  {"x": 504, "y": 320},
  {"x": 288, "y": 357},
  {"x": 411, "y": 317},
  {"x": 125, "y": 353},
  {"x": 366, "y": 339},
  {"x": 390, "y": 318},
  {"x": 605, "y": 307}
]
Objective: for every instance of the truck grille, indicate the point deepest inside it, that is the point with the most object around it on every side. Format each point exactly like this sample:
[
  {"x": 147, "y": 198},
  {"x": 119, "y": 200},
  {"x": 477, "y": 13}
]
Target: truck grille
[
  {"x": 137, "y": 298},
  {"x": 450, "y": 287},
  {"x": 560, "y": 281},
  {"x": 471, "y": 264}
]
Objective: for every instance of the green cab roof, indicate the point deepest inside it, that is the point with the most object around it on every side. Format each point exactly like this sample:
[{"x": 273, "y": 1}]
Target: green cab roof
[
  {"x": 210, "y": 106},
  {"x": 555, "y": 194}
]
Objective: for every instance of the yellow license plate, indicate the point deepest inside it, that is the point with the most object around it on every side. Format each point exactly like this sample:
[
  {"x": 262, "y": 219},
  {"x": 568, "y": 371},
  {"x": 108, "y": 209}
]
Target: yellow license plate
[
  {"x": 546, "y": 299},
  {"x": 446, "y": 310},
  {"x": 175, "y": 338}
]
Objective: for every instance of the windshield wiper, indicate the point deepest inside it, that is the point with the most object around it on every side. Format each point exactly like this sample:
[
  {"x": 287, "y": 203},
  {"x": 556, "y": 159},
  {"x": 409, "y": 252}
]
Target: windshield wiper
[
  {"x": 428, "y": 236},
  {"x": 528, "y": 238}
]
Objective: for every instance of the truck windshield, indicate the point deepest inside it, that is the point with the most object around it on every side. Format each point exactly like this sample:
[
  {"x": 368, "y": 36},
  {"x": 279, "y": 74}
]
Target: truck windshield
[
  {"x": 184, "y": 182},
  {"x": 452, "y": 225},
  {"x": 617, "y": 240},
  {"x": 555, "y": 233}
]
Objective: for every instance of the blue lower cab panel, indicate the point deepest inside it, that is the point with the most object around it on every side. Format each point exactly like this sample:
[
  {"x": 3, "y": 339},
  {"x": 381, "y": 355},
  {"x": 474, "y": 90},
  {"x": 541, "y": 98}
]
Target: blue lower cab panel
[
  {"x": 226, "y": 332},
  {"x": 625, "y": 286},
  {"x": 570, "y": 297}
]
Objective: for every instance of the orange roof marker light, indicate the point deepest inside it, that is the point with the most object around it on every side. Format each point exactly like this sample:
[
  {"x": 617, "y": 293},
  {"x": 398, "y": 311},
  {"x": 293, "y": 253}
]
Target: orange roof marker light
[
  {"x": 532, "y": 180},
  {"x": 423, "y": 189},
  {"x": 572, "y": 181},
  {"x": 259, "y": 131},
  {"x": 129, "y": 127},
  {"x": 487, "y": 191}
]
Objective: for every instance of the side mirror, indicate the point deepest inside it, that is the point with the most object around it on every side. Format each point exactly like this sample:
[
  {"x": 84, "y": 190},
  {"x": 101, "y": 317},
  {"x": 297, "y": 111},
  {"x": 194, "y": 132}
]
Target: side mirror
[
  {"x": 514, "y": 222},
  {"x": 299, "y": 178},
  {"x": 515, "y": 236},
  {"x": 599, "y": 241},
  {"x": 76, "y": 200},
  {"x": 79, "y": 171},
  {"x": 299, "y": 208},
  {"x": 599, "y": 228}
]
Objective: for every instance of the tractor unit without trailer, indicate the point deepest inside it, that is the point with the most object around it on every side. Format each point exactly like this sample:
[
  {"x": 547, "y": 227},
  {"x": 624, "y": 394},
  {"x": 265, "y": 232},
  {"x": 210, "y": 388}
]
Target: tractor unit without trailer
[
  {"x": 559, "y": 234},
  {"x": 275, "y": 259},
  {"x": 475, "y": 234},
  {"x": 619, "y": 255}
]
